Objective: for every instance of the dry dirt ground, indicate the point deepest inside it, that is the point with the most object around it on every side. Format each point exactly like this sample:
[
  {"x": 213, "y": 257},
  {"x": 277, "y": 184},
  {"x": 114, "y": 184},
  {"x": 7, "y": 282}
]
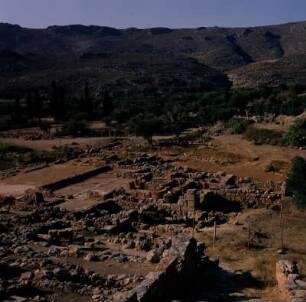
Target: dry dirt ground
[
  {"x": 232, "y": 154},
  {"x": 47, "y": 144},
  {"x": 229, "y": 153},
  {"x": 19, "y": 137},
  {"x": 18, "y": 184},
  {"x": 257, "y": 157}
]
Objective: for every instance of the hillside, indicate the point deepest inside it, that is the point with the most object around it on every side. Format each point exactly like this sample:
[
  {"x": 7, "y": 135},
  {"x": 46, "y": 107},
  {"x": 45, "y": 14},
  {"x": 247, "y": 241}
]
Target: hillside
[{"x": 130, "y": 61}]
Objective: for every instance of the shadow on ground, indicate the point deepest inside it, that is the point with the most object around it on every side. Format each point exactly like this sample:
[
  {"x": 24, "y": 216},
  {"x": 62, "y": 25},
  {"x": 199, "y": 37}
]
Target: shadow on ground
[{"x": 220, "y": 285}]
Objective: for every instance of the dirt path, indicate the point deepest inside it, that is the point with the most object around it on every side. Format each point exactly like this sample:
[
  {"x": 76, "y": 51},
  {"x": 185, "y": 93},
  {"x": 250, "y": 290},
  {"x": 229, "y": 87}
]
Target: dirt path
[{"x": 14, "y": 190}]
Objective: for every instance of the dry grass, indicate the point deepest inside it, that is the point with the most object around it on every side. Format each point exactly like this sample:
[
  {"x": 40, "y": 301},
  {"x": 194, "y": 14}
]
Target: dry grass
[
  {"x": 265, "y": 240},
  {"x": 263, "y": 268}
]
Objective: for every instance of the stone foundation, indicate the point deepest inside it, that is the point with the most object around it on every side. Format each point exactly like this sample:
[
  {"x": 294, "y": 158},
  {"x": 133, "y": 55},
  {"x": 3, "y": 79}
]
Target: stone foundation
[
  {"x": 62, "y": 183},
  {"x": 175, "y": 274}
]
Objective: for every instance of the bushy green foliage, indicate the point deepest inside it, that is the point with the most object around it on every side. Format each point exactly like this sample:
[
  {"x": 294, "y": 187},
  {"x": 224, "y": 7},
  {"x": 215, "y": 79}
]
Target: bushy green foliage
[
  {"x": 145, "y": 125},
  {"x": 77, "y": 125},
  {"x": 3, "y": 147},
  {"x": 238, "y": 126},
  {"x": 63, "y": 152},
  {"x": 13, "y": 156},
  {"x": 296, "y": 134},
  {"x": 180, "y": 108},
  {"x": 6, "y": 162},
  {"x": 199, "y": 108},
  {"x": 263, "y": 136},
  {"x": 44, "y": 125},
  {"x": 296, "y": 180}
]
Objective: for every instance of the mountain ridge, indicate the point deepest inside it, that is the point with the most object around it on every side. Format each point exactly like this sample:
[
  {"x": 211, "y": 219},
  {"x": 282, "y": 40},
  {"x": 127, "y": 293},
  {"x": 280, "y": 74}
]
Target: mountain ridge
[
  {"x": 239, "y": 53},
  {"x": 144, "y": 28}
]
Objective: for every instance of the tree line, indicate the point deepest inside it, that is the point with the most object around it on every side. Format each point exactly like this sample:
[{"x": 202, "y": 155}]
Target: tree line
[{"x": 160, "y": 113}]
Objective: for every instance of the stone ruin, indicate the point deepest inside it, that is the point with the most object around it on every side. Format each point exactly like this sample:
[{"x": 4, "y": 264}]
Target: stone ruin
[
  {"x": 47, "y": 249},
  {"x": 290, "y": 283}
]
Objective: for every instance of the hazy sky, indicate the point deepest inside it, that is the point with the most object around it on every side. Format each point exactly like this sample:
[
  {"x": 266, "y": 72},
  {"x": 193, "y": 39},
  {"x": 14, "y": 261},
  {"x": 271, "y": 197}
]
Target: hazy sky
[{"x": 150, "y": 13}]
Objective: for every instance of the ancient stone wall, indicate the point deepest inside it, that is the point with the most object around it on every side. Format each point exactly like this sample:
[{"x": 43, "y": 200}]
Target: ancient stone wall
[
  {"x": 62, "y": 183},
  {"x": 175, "y": 274}
]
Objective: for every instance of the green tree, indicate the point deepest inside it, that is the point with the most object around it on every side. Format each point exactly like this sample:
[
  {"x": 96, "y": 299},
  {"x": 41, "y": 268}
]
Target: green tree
[
  {"x": 296, "y": 134},
  {"x": 145, "y": 125},
  {"x": 17, "y": 109},
  {"x": 296, "y": 180},
  {"x": 57, "y": 102},
  {"x": 88, "y": 102},
  {"x": 237, "y": 126},
  {"x": 44, "y": 126},
  {"x": 77, "y": 125},
  {"x": 37, "y": 104},
  {"x": 107, "y": 103},
  {"x": 29, "y": 104}
]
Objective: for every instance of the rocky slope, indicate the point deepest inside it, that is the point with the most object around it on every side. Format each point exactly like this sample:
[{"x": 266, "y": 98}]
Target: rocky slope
[{"x": 130, "y": 60}]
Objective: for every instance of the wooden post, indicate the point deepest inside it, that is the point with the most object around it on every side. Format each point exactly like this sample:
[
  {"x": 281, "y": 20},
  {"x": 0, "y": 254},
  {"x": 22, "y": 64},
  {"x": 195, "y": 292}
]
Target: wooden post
[
  {"x": 281, "y": 215},
  {"x": 215, "y": 233},
  {"x": 60, "y": 146},
  {"x": 193, "y": 220},
  {"x": 193, "y": 225},
  {"x": 295, "y": 209},
  {"x": 249, "y": 236},
  {"x": 282, "y": 236}
]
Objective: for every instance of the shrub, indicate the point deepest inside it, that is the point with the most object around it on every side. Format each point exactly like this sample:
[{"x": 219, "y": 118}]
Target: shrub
[
  {"x": 237, "y": 126},
  {"x": 3, "y": 147},
  {"x": 145, "y": 125},
  {"x": 296, "y": 180},
  {"x": 13, "y": 156},
  {"x": 76, "y": 126},
  {"x": 44, "y": 125},
  {"x": 5, "y": 160},
  {"x": 296, "y": 134},
  {"x": 273, "y": 166},
  {"x": 263, "y": 136},
  {"x": 63, "y": 152}
]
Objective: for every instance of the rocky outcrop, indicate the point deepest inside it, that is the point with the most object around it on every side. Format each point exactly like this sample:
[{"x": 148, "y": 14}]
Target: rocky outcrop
[
  {"x": 190, "y": 58},
  {"x": 291, "y": 287},
  {"x": 6, "y": 201},
  {"x": 33, "y": 197}
]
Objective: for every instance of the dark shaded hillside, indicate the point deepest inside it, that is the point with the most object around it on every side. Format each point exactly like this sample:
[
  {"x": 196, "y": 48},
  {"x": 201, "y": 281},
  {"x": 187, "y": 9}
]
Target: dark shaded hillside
[
  {"x": 291, "y": 70},
  {"x": 121, "y": 75},
  {"x": 132, "y": 60}
]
